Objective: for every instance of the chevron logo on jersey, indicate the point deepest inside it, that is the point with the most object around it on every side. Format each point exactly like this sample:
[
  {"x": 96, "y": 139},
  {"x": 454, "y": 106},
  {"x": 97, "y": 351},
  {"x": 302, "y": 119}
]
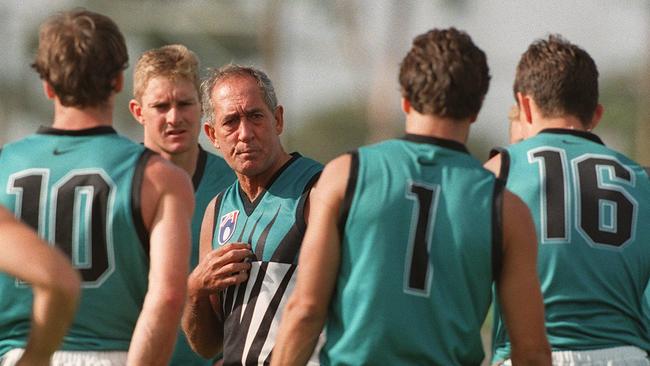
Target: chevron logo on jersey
[{"x": 227, "y": 226}]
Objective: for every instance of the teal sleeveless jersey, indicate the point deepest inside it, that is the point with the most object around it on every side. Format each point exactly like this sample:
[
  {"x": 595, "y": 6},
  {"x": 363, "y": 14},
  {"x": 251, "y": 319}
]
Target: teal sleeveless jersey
[
  {"x": 591, "y": 208},
  {"x": 418, "y": 234},
  {"x": 211, "y": 176},
  {"x": 80, "y": 190},
  {"x": 274, "y": 226}
]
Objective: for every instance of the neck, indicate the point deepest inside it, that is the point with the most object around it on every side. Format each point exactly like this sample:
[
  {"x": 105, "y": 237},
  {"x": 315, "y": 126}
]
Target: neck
[
  {"x": 186, "y": 160},
  {"x": 565, "y": 122},
  {"x": 434, "y": 126},
  {"x": 74, "y": 118},
  {"x": 254, "y": 185}
]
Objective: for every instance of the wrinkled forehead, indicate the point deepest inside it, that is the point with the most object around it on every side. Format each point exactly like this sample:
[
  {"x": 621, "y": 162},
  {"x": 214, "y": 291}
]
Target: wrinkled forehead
[{"x": 237, "y": 93}]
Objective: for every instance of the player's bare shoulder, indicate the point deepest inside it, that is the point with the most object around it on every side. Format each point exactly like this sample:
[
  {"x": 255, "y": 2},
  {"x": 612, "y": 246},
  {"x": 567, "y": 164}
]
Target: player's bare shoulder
[{"x": 162, "y": 178}]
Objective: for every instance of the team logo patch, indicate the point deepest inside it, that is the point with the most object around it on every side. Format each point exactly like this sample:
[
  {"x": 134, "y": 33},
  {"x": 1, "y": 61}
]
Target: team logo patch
[{"x": 227, "y": 226}]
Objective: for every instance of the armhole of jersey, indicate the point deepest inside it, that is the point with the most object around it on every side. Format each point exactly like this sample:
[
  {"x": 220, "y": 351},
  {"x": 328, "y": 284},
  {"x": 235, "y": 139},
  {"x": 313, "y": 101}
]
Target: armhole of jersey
[
  {"x": 497, "y": 228},
  {"x": 200, "y": 168},
  {"x": 505, "y": 163},
  {"x": 136, "y": 202},
  {"x": 495, "y": 151},
  {"x": 349, "y": 191},
  {"x": 300, "y": 212},
  {"x": 215, "y": 215},
  {"x": 647, "y": 168}
]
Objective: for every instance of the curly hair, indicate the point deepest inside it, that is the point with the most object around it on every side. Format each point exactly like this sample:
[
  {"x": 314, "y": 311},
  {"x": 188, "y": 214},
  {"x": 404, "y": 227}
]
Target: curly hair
[
  {"x": 171, "y": 61},
  {"x": 561, "y": 77},
  {"x": 80, "y": 54},
  {"x": 445, "y": 74}
]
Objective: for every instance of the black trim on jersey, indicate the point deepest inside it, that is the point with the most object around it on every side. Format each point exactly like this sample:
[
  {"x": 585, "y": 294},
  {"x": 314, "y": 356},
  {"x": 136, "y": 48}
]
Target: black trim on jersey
[
  {"x": 261, "y": 241},
  {"x": 584, "y": 134},
  {"x": 249, "y": 206},
  {"x": 449, "y": 144},
  {"x": 504, "y": 170},
  {"x": 300, "y": 212},
  {"x": 99, "y": 130},
  {"x": 136, "y": 199},
  {"x": 495, "y": 151},
  {"x": 646, "y": 168},
  {"x": 497, "y": 229},
  {"x": 349, "y": 191},
  {"x": 200, "y": 168}
]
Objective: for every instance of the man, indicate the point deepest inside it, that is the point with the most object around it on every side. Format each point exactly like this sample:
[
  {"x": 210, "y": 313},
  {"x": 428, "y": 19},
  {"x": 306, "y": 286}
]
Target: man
[
  {"x": 406, "y": 237},
  {"x": 251, "y": 233},
  {"x": 121, "y": 213},
  {"x": 590, "y": 205},
  {"x": 53, "y": 280},
  {"x": 168, "y": 106}
]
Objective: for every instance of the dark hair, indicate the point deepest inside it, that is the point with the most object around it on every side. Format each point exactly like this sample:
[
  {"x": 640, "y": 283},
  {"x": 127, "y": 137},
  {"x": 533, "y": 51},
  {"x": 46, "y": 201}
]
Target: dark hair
[
  {"x": 215, "y": 76},
  {"x": 561, "y": 77},
  {"x": 445, "y": 74},
  {"x": 80, "y": 54}
]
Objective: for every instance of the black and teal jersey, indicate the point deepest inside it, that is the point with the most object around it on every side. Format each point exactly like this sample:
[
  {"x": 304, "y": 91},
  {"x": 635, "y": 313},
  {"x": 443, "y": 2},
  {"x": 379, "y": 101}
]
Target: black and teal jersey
[
  {"x": 274, "y": 226},
  {"x": 80, "y": 190},
  {"x": 420, "y": 230},
  {"x": 591, "y": 206},
  {"x": 211, "y": 176}
]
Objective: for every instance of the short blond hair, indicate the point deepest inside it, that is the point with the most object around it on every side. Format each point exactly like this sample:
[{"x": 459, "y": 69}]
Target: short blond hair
[{"x": 171, "y": 61}]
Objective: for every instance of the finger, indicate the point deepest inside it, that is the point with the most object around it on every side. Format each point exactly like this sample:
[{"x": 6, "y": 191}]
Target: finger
[
  {"x": 233, "y": 255},
  {"x": 233, "y": 268}
]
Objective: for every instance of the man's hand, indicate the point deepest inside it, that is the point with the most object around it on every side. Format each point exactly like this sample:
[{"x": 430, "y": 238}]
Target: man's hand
[{"x": 221, "y": 268}]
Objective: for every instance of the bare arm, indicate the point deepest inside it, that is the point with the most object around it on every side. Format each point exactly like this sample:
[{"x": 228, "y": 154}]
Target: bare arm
[
  {"x": 55, "y": 284},
  {"x": 518, "y": 286},
  {"x": 217, "y": 269},
  {"x": 167, "y": 205},
  {"x": 318, "y": 266},
  {"x": 494, "y": 164}
]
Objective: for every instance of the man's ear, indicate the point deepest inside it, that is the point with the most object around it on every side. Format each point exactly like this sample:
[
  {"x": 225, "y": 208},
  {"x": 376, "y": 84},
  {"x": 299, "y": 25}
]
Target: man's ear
[
  {"x": 406, "y": 105},
  {"x": 279, "y": 119},
  {"x": 211, "y": 133},
  {"x": 598, "y": 114},
  {"x": 48, "y": 90},
  {"x": 136, "y": 111},
  {"x": 118, "y": 83},
  {"x": 524, "y": 107}
]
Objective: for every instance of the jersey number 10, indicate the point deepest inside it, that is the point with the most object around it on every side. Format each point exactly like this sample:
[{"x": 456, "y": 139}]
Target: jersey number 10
[{"x": 79, "y": 220}]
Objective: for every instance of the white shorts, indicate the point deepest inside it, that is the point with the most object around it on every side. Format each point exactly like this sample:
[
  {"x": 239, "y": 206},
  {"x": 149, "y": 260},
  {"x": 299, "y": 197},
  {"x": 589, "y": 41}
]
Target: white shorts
[
  {"x": 616, "y": 356},
  {"x": 73, "y": 358}
]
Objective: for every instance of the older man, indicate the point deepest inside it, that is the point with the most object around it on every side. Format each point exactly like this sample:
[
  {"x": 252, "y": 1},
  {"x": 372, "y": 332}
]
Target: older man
[{"x": 251, "y": 232}]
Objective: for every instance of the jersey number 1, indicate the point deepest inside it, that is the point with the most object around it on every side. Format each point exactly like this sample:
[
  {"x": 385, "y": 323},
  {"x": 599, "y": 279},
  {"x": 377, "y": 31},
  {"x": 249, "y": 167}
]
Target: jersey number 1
[{"x": 418, "y": 269}]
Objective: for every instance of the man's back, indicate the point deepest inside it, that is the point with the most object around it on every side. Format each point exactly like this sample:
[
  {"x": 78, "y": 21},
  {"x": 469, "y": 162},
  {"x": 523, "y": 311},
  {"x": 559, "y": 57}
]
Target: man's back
[
  {"x": 414, "y": 281},
  {"x": 589, "y": 204},
  {"x": 81, "y": 189}
]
